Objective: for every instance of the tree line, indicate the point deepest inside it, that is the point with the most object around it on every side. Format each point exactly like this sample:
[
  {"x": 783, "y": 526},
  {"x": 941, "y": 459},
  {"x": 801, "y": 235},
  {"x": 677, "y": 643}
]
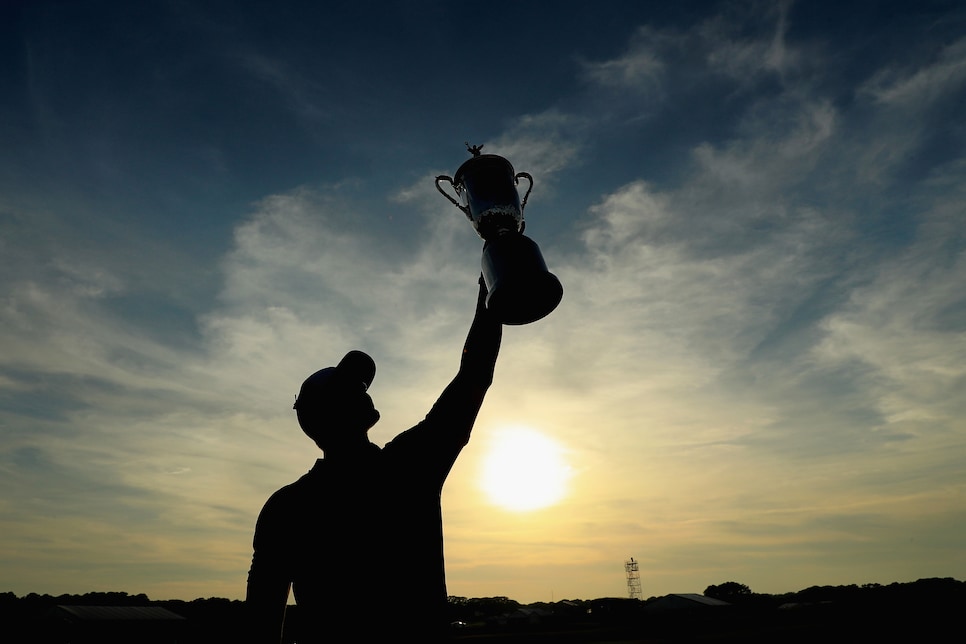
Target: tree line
[{"x": 856, "y": 610}]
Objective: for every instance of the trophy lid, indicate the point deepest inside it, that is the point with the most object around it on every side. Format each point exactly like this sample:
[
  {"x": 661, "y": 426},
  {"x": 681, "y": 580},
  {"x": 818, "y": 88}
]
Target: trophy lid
[{"x": 482, "y": 162}]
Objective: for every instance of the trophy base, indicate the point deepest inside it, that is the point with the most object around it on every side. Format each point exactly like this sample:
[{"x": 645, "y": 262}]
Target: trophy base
[{"x": 521, "y": 289}]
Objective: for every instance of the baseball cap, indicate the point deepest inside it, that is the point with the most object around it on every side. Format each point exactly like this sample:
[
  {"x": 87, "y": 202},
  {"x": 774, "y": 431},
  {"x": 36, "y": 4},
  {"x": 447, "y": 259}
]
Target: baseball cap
[{"x": 356, "y": 369}]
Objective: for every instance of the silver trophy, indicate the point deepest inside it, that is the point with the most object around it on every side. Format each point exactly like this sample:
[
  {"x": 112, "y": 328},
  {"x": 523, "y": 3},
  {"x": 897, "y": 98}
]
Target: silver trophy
[{"x": 521, "y": 289}]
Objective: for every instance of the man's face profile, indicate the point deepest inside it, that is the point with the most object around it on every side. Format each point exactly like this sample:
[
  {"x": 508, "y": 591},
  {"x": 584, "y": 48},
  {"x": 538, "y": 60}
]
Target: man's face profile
[{"x": 334, "y": 411}]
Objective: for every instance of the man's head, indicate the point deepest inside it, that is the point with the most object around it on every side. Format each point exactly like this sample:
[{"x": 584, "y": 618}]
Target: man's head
[{"x": 333, "y": 407}]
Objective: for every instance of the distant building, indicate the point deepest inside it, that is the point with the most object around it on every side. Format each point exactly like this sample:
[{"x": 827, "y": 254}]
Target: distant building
[
  {"x": 683, "y": 601},
  {"x": 116, "y": 624}
]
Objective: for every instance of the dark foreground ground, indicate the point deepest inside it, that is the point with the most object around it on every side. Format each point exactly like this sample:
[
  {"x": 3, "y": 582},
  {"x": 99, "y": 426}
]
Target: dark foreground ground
[
  {"x": 805, "y": 625},
  {"x": 720, "y": 625}
]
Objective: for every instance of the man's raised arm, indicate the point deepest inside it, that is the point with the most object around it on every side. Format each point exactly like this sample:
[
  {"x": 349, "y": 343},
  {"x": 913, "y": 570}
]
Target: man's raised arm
[{"x": 482, "y": 345}]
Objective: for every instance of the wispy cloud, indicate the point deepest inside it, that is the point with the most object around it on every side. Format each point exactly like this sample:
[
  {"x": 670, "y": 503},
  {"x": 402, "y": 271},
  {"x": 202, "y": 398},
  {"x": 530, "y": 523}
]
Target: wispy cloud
[{"x": 921, "y": 85}]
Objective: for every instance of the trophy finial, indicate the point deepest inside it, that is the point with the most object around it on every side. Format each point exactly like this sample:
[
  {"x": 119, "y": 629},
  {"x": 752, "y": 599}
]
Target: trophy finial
[{"x": 473, "y": 149}]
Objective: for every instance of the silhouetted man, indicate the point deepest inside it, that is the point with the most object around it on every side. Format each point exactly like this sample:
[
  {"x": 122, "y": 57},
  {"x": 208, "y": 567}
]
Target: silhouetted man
[{"x": 359, "y": 538}]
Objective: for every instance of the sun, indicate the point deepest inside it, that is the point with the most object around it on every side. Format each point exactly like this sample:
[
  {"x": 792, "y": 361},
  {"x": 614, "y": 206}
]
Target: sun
[{"x": 524, "y": 470}]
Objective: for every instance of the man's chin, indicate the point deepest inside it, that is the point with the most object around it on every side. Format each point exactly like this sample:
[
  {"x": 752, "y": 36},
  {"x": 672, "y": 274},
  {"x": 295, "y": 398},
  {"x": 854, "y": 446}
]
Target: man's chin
[{"x": 374, "y": 418}]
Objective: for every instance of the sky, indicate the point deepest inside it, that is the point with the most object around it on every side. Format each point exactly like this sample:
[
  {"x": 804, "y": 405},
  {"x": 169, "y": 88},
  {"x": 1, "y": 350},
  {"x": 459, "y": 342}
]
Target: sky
[{"x": 757, "y": 372}]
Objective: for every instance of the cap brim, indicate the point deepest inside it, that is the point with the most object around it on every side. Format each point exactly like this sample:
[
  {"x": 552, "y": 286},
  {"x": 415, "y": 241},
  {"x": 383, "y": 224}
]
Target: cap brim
[{"x": 357, "y": 366}]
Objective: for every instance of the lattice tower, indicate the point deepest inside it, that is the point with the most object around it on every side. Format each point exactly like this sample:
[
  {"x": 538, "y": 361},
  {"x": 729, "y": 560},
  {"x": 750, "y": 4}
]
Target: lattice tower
[{"x": 633, "y": 579}]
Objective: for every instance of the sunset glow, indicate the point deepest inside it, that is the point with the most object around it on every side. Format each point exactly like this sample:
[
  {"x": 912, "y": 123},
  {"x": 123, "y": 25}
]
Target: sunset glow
[{"x": 524, "y": 470}]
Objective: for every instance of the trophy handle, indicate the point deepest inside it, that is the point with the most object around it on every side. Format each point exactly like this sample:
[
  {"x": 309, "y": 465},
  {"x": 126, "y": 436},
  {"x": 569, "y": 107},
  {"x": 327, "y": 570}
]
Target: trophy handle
[
  {"x": 443, "y": 177},
  {"x": 525, "y": 175}
]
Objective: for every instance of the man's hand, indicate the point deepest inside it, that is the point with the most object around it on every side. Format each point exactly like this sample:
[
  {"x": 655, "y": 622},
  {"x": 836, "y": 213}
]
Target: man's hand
[{"x": 481, "y": 299}]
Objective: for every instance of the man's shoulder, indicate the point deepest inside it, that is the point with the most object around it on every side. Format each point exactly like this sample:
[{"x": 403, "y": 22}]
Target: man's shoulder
[{"x": 299, "y": 486}]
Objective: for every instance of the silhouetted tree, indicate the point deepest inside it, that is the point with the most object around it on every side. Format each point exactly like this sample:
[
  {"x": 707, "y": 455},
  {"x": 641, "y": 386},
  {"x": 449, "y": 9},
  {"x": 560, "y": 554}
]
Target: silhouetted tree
[
  {"x": 480, "y": 608},
  {"x": 730, "y": 591}
]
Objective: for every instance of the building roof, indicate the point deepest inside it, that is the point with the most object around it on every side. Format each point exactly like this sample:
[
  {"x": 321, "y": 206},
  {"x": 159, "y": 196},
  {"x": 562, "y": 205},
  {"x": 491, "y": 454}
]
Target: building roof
[
  {"x": 683, "y": 600},
  {"x": 701, "y": 599}
]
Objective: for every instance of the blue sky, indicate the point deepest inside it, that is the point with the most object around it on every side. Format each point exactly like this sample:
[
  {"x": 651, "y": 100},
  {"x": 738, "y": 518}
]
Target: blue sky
[{"x": 756, "y": 210}]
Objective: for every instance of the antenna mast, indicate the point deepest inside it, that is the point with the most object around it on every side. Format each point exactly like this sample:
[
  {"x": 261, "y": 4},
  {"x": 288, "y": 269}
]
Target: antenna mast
[{"x": 633, "y": 579}]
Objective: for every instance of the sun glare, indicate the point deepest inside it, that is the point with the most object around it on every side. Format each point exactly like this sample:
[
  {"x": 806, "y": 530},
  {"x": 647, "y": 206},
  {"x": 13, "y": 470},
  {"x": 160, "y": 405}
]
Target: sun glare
[{"x": 524, "y": 470}]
